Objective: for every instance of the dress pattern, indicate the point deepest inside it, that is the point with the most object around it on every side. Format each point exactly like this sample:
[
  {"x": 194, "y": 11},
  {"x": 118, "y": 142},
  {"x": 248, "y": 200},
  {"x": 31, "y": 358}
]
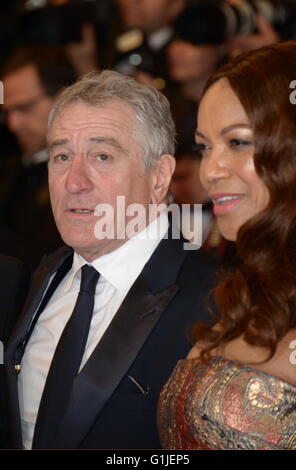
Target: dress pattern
[{"x": 226, "y": 405}]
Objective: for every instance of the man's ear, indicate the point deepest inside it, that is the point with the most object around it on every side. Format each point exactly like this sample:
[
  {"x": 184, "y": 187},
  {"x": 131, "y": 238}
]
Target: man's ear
[{"x": 162, "y": 175}]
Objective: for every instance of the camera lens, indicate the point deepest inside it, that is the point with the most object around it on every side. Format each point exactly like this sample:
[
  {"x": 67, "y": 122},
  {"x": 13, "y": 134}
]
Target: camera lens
[{"x": 241, "y": 17}]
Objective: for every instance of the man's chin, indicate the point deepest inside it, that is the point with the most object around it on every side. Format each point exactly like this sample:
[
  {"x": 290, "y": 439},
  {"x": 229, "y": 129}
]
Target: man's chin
[{"x": 94, "y": 250}]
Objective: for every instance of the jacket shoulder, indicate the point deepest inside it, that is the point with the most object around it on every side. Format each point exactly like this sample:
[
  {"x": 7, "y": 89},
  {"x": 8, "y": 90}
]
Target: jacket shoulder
[{"x": 49, "y": 261}]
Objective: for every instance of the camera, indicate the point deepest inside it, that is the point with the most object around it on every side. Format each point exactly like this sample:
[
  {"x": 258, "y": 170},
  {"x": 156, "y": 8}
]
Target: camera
[
  {"x": 216, "y": 21},
  {"x": 56, "y": 24},
  {"x": 241, "y": 17}
]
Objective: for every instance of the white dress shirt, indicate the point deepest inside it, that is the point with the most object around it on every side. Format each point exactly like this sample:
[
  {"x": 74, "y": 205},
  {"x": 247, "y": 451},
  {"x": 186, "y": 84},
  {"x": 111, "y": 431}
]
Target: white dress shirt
[{"x": 119, "y": 270}]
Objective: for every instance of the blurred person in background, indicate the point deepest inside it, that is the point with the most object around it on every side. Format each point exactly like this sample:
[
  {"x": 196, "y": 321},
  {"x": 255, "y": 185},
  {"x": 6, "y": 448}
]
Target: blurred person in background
[
  {"x": 198, "y": 48},
  {"x": 9, "y": 30},
  {"x": 257, "y": 23},
  {"x": 146, "y": 32},
  {"x": 149, "y": 16},
  {"x": 14, "y": 283},
  {"x": 32, "y": 79},
  {"x": 72, "y": 25},
  {"x": 264, "y": 36},
  {"x": 186, "y": 188}
]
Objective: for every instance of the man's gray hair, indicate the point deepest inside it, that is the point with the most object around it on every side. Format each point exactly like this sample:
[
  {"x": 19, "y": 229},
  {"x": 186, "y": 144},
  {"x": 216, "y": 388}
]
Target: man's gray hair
[{"x": 156, "y": 130}]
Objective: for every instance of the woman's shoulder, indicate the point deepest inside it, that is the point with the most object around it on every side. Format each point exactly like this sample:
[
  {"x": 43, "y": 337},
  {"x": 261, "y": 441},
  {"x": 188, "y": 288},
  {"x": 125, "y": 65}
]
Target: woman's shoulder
[{"x": 282, "y": 365}]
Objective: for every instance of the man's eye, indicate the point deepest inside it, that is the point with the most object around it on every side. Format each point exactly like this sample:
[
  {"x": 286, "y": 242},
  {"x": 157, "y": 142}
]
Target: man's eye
[
  {"x": 61, "y": 157},
  {"x": 24, "y": 108},
  {"x": 102, "y": 157}
]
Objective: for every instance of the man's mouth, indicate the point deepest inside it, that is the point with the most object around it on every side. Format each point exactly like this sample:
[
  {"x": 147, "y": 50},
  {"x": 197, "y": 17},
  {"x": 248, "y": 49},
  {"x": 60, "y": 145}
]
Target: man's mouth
[{"x": 82, "y": 211}]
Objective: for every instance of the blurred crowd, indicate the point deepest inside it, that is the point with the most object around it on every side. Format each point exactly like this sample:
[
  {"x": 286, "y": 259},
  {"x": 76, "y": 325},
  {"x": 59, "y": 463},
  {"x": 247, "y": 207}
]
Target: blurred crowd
[{"x": 173, "y": 45}]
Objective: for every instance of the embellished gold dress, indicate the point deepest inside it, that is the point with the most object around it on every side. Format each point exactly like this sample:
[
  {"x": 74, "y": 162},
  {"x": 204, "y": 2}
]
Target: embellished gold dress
[{"x": 226, "y": 405}]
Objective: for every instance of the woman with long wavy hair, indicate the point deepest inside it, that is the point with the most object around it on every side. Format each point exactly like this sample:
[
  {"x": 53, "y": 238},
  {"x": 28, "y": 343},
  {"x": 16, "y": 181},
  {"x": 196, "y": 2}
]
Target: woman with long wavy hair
[{"x": 237, "y": 387}]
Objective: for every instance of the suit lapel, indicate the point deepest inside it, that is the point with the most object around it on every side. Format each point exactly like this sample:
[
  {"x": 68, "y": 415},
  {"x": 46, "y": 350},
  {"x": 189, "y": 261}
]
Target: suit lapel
[
  {"x": 135, "y": 320},
  {"x": 38, "y": 285},
  {"x": 111, "y": 360}
]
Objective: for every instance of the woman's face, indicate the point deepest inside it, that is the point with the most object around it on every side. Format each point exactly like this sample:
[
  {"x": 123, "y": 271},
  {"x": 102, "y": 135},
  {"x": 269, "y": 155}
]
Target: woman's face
[
  {"x": 192, "y": 62},
  {"x": 227, "y": 172}
]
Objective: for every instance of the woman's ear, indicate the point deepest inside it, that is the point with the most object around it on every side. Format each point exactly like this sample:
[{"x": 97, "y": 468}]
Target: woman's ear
[{"x": 162, "y": 174}]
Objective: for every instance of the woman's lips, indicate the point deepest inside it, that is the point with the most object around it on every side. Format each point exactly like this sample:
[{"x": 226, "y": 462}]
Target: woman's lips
[{"x": 224, "y": 203}]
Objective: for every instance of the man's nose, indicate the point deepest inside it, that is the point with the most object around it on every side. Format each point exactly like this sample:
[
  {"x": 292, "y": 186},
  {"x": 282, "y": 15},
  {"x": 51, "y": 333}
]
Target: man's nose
[
  {"x": 77, "y": 179},
  {"x": 14, "y": 120},
  {"x": 174, "y": 49}
]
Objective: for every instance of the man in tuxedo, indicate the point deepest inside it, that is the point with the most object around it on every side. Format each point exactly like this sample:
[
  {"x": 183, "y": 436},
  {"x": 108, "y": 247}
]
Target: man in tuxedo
[
  {"x": 14, "y": 283},
  {"x": 79, "y": 383}
]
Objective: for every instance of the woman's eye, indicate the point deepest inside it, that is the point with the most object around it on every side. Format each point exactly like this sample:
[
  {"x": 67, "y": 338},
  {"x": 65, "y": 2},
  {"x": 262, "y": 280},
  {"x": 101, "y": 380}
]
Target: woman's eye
[
  {"x": 240, "y": 143},
  {"x": 199, "y": 147}
]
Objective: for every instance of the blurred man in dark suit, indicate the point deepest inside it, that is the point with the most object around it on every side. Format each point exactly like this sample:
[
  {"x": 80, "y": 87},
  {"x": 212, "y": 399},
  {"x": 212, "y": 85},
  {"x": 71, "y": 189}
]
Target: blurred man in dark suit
[
  {"x": 14, "y": 283},
  {"x": 147, "y": 31},
  {"x": 32, "y": 79}
]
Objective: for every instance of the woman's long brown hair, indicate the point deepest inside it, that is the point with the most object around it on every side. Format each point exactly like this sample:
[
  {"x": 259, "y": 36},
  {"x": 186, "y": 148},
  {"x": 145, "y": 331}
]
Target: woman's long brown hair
[{"x": 258, "y": 299}]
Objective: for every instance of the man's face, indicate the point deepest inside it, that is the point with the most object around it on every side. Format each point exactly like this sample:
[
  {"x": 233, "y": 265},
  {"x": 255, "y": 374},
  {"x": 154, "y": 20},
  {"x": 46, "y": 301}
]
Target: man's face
[
  {"x": 149, "y": 15},
  {"x": 189, "y": 62},
  {"x": 27, "y": 107},
  {"x": 94, "y": 158}
]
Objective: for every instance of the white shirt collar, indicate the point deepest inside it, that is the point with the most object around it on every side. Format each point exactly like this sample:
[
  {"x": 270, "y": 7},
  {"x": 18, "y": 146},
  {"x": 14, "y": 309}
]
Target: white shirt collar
[
  {"x": 122, "y": 266},
  {"x": 78, "y": 262}
]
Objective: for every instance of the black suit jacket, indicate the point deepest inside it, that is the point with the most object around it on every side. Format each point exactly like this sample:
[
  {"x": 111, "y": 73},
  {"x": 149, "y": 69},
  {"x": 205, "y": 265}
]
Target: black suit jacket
[
  {"x": 145, "y": 339},
  {"x": 13, "y": 289}
]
